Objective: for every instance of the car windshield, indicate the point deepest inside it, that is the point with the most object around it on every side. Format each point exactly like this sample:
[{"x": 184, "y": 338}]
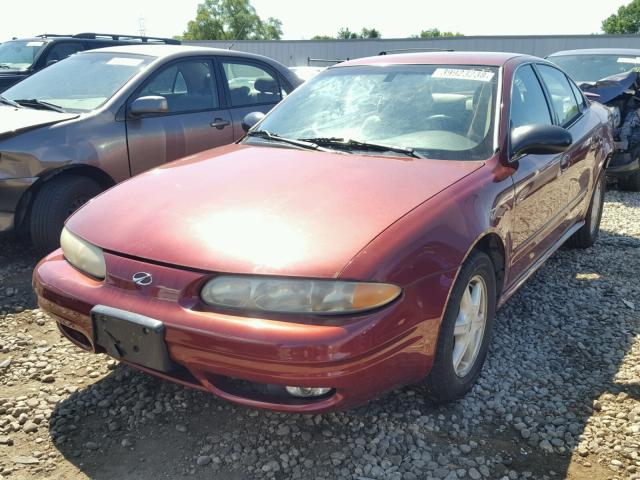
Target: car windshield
[
  {"x": 81, "y": 82},
  {"x": 436, "y": 111},
  {"x": 19, "y": 54},
  {"x": 591, "y": 68}
]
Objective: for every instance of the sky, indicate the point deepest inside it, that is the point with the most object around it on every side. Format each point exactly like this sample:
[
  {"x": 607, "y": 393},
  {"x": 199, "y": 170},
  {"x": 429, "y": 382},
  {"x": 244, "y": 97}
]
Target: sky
[{"x": 302, "y": 19}]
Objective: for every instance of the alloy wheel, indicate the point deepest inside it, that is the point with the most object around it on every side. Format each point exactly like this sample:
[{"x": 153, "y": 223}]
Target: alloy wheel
[{"x": 470, "y": 326}]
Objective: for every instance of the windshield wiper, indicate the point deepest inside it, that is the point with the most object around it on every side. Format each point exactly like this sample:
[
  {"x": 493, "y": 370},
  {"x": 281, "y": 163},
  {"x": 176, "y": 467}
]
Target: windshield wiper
[
  {"x": 35, "y": 103},
  {"x": 277, "y": 138},
  {"x": 4, "y": 65},
  {"x": 358, "y": 145},
  {"x": 8, "y": 101}
]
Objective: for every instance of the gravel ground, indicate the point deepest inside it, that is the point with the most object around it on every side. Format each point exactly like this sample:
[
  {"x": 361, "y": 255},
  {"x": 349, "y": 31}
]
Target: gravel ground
[{"x": 558, "y": 398}]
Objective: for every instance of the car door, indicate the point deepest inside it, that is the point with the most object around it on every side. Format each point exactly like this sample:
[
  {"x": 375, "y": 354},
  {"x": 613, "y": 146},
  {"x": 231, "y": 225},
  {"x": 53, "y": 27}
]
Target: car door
[
  {"x": 195, "y": 120},
  {"x": 251, "y": 86},
  {"x": 572, "y": 113},
  {"x": 540, "y": 198}
]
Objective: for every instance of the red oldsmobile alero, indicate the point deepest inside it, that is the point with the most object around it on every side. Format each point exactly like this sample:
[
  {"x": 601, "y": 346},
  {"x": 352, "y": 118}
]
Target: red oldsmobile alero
[{"x": 358, "y": 239}]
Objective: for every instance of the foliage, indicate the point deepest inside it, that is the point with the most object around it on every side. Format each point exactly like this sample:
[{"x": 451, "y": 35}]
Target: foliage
[
  {"x": 346, "y": 34},
  {"x": 370, "y": 33},
  {"x": 231, "y": 20},
  {"x": 626, "y": 21},
  {"x": 435, "y": 33}
]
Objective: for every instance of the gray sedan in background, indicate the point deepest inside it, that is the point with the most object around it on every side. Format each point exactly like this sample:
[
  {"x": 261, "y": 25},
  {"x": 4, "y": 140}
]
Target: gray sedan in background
[{"x": 99, "y": 117}]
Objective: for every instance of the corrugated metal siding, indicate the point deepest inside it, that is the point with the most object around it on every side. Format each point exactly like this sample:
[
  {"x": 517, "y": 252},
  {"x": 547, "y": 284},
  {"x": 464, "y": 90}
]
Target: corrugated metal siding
[{"x": 297, "y": 52}]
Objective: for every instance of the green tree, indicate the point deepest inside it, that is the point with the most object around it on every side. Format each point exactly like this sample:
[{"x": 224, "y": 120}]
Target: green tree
[
  {"x": 627, "y": 20},
  {"x": 231, "y": 20},
  {"x": 370, "y": 33},
  {"x": 346, "y": 34},
  {"x": 434, "y": 33}
]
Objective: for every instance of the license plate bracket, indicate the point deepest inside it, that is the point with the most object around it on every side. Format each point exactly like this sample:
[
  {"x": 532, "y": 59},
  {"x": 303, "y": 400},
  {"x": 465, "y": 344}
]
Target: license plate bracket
[{"x": 131, "y": 337}]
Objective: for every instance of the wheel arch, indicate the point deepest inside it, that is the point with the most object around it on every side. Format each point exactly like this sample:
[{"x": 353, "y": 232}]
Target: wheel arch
[
  {"x": 493, "y": 245},
  {"x": 24, "y": 205}
]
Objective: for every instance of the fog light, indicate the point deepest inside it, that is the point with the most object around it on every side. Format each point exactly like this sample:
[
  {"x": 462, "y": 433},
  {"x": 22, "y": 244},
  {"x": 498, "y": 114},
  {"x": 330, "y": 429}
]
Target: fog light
[{"x": 307, "y": 392}]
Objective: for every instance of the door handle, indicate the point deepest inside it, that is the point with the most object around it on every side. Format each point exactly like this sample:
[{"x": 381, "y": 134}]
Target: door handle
[
  {"x": 565, "y": 162},
  {"x": 220, "y": 123}
]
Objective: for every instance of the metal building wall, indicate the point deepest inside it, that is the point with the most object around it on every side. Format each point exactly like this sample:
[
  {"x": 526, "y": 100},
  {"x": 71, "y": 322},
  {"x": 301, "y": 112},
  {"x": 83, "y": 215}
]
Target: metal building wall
[{"x": 297, "y": 52}]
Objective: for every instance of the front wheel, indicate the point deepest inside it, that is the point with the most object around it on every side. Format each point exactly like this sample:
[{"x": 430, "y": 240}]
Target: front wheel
[
  {"x": 57, "y": 199},
  {"x": 465, "y": 331},
  {"x": 588, "y": 233}
]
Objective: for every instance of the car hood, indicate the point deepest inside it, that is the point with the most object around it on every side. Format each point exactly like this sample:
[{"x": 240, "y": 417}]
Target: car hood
[
  {"x": 8, "y": 79},
  {"x": 612, "y": 87},
  {"x": 14, "y": 120},
  {"x": 252, "y": 209}
]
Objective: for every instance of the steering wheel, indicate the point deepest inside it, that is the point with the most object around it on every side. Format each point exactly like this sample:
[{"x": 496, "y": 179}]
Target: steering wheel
[{"x": 443, "y": 122}]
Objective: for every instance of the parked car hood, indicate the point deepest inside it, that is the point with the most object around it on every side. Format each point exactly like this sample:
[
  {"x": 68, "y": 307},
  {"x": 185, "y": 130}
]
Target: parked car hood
[
  {"x": 611, "y": 87},
  {"x": 253, "y": 209},
  {"x": 14, "y": 120},
  {"x": 8, "y": 79}
]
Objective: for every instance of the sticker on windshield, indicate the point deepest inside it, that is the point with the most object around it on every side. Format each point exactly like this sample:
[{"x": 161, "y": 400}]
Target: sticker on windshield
[
  {"x": 125, "y": 61},
  {"x": 463, "y": 74},
  {"x": 35, "y": 44},
  {"x": 634, "y": 61}
]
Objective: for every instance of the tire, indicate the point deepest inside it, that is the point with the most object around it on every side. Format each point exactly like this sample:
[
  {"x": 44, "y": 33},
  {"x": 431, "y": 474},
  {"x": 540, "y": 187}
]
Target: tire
[
  {"x": 630, "y": 183},
  {"x": 447, "y": 382},
  {"x": 588, "y": 233},
  {"x": 55, "y": 201}
]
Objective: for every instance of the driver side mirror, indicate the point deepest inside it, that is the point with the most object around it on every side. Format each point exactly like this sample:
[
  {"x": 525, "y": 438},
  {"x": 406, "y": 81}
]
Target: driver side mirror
[
  {"x": 539, "y": 139},
  {"x": 251, "y": 119},
  {"x": 149, "y": 104}
]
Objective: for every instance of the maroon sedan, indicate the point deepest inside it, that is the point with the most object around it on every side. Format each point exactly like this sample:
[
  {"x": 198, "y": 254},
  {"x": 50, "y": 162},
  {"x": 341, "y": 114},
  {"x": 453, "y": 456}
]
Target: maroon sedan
[{"x": 360, "y": 238}]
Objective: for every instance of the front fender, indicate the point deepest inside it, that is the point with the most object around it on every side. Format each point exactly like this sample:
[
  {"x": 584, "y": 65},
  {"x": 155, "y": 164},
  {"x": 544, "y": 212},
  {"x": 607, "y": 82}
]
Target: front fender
[{"x": 438, "y": 235}]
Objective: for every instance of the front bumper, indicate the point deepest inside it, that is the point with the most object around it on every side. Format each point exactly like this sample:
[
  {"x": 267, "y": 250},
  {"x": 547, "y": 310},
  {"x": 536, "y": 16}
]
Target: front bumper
[
  {"x": 358, "y": 357},
  {"x": 11, "y": 192}
]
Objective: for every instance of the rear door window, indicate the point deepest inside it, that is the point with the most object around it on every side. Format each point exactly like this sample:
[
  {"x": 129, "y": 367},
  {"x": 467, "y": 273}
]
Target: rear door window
[{"x": 250, "y": 84}]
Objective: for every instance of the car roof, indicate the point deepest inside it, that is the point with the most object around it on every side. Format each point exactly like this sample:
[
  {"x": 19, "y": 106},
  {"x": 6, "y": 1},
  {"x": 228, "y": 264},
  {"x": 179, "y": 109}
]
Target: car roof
[
  {"x": 169, "y": 52},
  {"x": 597, "y": 51},
  {"x": 496, "y": 59},
  {"x": 34, "y": 39},
  {"x": 164, "y": 51}
]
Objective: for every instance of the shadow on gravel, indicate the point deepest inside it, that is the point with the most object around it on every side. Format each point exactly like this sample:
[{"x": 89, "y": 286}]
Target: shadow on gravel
[
  {"x": 17, "y": 260},
  {"x": 557, "y": 355}
]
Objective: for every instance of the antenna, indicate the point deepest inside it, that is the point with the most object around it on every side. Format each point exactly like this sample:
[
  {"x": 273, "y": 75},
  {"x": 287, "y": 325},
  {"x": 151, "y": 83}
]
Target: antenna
[{"x": 141, "y": 26}]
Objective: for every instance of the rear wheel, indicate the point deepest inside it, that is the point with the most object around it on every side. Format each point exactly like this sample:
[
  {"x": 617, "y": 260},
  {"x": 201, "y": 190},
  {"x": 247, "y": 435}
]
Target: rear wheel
[
  {"x": 57, "y": 199},
  {"x": 465, "y": 331},
  {"x": 588, "y": 233},
  {"x": 630, "y": 183}
]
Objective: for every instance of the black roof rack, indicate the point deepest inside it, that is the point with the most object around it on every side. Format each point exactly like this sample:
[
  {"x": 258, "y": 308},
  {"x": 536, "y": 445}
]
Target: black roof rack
[
  {"x": 51, "y": 35},
  {"x": 386, "y": 52},
  {"x": 117, "y": 37},
  {"x": 326, "y": 60}
]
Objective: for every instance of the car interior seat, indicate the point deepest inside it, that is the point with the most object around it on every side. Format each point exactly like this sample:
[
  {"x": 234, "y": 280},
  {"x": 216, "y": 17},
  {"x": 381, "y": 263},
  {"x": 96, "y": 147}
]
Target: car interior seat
[{"x": 268, "y": 90}]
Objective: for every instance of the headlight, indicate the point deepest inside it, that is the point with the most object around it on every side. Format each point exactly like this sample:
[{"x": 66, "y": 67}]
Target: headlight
[
  {"x": 297, "y": 295},
  {"x": 83, "y": 255}
]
